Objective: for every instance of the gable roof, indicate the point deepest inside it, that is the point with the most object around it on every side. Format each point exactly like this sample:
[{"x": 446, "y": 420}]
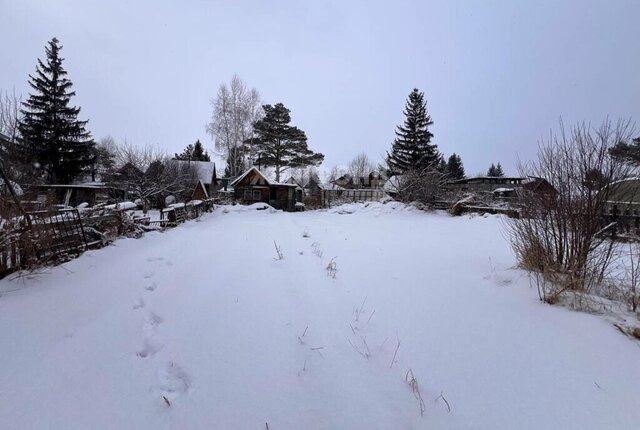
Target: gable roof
[
  {"x": 202, "y": 187},
  {"x": 292, "y": 181},
  {"x": 253, "y": 169},
  {"x": 266, "y": 180},
  {"x": 496, "y": 179},
  {"x": 204, "y": 169}
]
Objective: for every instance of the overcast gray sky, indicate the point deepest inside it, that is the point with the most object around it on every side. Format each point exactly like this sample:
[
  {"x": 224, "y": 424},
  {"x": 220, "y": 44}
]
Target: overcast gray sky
[{"x": 496, "y": 74}]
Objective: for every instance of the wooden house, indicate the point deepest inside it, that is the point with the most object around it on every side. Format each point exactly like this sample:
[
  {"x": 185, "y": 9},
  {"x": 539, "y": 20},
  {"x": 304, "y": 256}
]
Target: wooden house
[
  {"x": 299, "y": 189},
  {"x": 71, "y": 195},
  {"x": 253, "y": 187},
  {"x": 371, "y": 181},
  {"x": 487, "y": 184}
]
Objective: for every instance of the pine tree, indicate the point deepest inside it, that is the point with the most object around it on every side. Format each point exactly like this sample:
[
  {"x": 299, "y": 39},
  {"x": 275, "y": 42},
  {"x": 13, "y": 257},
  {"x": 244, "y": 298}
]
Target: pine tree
[
  {"x": 412, "y": 148},
  {"x": 492, "y": 170},
  {"x": 193, "y": 152},
  {"x": 628, "y": 153},
  {"x": 499, "y": 171},
  {"x": 53, "y": 139},
  {"x": 279, "y": 144},
  {"x": 455, "y": 169}
]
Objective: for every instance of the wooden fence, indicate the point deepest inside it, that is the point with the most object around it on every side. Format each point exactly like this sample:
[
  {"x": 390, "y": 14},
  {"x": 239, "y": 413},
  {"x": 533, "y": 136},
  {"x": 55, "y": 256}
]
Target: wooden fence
[
  {"x": 41, "y": 236},
  {"x": 49, "y": 235},
  {"x": 11, "y": 258},
  {"x": 180, "y": 213},
  {"x": 332, "y": 197}
]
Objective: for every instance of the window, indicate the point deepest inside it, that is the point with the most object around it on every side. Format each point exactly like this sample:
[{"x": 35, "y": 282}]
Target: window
[
  {"x": 257, "y": 195},
  {"x": 247, "y": 194}
]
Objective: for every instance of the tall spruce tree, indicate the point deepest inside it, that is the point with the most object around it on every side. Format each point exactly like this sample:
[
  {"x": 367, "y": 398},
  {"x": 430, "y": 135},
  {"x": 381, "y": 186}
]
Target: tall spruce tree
[
  {"x": 54, "y": 140},
  {"x": 495, "y": 171},
  {"x": 279, "y": 144},
  {"x": 193, "y": 152},
  {"x": 454, "y": 169},
  {"x": 412, "y": 148}
]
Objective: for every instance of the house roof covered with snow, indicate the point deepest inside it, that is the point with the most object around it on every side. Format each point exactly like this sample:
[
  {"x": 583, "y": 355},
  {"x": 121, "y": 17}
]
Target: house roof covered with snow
[
  {"x": 203, "y": 168},
  {"x": 625, "y": 191},
  {"x": 266, "y": 180},
  {"x": 493, "y": 179},
  {"x": 245, "y": 174}
]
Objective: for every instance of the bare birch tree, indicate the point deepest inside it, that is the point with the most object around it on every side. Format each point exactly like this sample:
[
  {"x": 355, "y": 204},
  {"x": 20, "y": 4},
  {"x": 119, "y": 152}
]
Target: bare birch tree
[
  {"x": 14, "y": 162},
  {"x": 9, "y": 114},
  {"x": 235, "y": 109},
  {"x": 334, "y": 174},
  {"x": 361, "y": 166}
]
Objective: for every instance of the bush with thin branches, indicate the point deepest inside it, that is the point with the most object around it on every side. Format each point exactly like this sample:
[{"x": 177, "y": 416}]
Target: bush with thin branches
[{"x": 562, "y": 233}]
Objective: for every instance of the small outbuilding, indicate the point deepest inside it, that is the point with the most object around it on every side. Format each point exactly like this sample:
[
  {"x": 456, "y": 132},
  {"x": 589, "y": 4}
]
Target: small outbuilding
[
  {"x": 253, "y": 187},
  {"x": 200, "y": 192}
]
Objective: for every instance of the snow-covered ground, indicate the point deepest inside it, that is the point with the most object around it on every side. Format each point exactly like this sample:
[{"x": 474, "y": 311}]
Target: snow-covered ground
[{"x": 200, "y": 327}]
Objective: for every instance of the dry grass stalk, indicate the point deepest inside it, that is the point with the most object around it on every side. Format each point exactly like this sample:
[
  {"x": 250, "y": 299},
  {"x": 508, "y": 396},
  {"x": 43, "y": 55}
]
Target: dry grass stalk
[
  {"x": 332, "y": 268},
  {"x": 359, "y": 311},
  {"x": 393, "y": 360},
  {"x": 365, "y": 352},
  {"x": 316, "y": 249},
  {"x": 441, "y": 396},
  {"x": 279, "y": 254},
  {"x": 415, "y": 388}
]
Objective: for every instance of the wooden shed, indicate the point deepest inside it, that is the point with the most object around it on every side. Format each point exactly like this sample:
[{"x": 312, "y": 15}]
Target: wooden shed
[
  {"x": 200, "y": 192},
  {"x": 253, "y": 187}
]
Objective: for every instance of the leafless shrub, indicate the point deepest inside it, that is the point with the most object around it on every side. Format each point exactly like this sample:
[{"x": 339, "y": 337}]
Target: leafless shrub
[
  {"x": 423, "y": 186},
  {"x": 279, "y": 254},
  {"x": 561, "y": 234},
  {"x": 332, "y": 268},
  {"x": 147, "y": 173},
  {"x": 415, "y": 388}
]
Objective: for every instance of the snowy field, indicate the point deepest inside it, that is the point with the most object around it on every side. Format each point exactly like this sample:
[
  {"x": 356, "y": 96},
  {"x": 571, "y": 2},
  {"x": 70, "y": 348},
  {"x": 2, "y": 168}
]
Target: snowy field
[{"x": 200, "y": 327}]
